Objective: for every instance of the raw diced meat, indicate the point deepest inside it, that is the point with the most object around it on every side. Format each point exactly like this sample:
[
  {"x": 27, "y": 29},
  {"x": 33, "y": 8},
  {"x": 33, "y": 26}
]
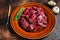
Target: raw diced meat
[
  {"x": 37, "y": 28},
  {"x": 40, "y": 17},
  {"x": 34, "y": 12},
  {"x": 31, "y": 10},
  {"x": 42, "y": 22},
  {"x": 35, "y": 8},
  {"x": 26, "y": 11},
  {"x": 32, "y": 26},
  {"x": 33, "y": 19},
  {"x": 24, "y": 22}
]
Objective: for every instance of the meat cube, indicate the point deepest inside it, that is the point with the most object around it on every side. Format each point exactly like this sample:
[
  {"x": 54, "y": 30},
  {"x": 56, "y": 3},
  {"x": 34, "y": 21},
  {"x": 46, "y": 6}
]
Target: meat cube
[
  {"x": 32, "y": 18},
  {"x": 35, "y": 8},
  {"x": 40, "y": 11},
  {"x": 40, "y": 17},
  {"x": 37, "y": 28},
  {"x": 24, "y": 22},
  {"x": 32, "y": 11},
  {"x": 26, "y": 11},
  {"x": 41, "y": 21},
  {"x": 32, "y": 26}
]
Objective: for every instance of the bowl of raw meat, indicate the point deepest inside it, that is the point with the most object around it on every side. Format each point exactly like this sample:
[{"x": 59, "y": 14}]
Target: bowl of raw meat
[{"x": 32, "y": 20}]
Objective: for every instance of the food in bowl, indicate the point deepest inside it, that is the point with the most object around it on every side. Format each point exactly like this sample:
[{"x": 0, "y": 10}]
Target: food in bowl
[
  {"x": 32, "y": 19},
  {"x": 33, "y": 35}
]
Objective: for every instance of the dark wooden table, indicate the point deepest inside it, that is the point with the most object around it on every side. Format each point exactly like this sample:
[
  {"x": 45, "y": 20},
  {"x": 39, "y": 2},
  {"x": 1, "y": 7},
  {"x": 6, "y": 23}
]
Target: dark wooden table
[{"x": 7, "y": 33}]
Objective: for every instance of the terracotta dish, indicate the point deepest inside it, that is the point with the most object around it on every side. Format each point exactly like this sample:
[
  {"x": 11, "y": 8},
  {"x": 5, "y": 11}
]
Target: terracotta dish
[{"x": 33, "y": 35}]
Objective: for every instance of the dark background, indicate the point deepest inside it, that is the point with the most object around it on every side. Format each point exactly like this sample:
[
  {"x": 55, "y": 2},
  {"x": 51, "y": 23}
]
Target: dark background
[{"x": 55, "y": 35}]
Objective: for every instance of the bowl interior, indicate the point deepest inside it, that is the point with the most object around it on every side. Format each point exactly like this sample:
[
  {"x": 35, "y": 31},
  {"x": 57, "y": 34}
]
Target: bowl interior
[{"x": 31, "y": 35}]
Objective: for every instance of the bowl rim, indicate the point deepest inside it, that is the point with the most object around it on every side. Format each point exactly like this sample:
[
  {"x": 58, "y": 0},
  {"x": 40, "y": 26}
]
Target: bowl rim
[{"x": 39, "y": 4}]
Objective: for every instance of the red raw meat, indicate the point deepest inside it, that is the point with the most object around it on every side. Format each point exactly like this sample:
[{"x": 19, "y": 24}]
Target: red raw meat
[
  {"x": 35, "y": 8},
  {"x": 41, "y": 21},
  {"x": 24, "y": 23},
  {"x": 26, "y": 11},
  {"x": 32, "y": 26},
  {"x": 33, "y": 19},
  {"x": 37, "y": 28}
]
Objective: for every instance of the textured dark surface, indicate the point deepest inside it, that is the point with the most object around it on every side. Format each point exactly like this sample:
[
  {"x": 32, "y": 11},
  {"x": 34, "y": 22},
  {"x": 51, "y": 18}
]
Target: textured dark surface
[{"x": 54, "y": 35}]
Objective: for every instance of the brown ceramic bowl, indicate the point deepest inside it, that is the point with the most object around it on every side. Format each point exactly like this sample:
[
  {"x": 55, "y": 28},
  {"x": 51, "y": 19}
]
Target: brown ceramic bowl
[{"x": 31, "y": 35}]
